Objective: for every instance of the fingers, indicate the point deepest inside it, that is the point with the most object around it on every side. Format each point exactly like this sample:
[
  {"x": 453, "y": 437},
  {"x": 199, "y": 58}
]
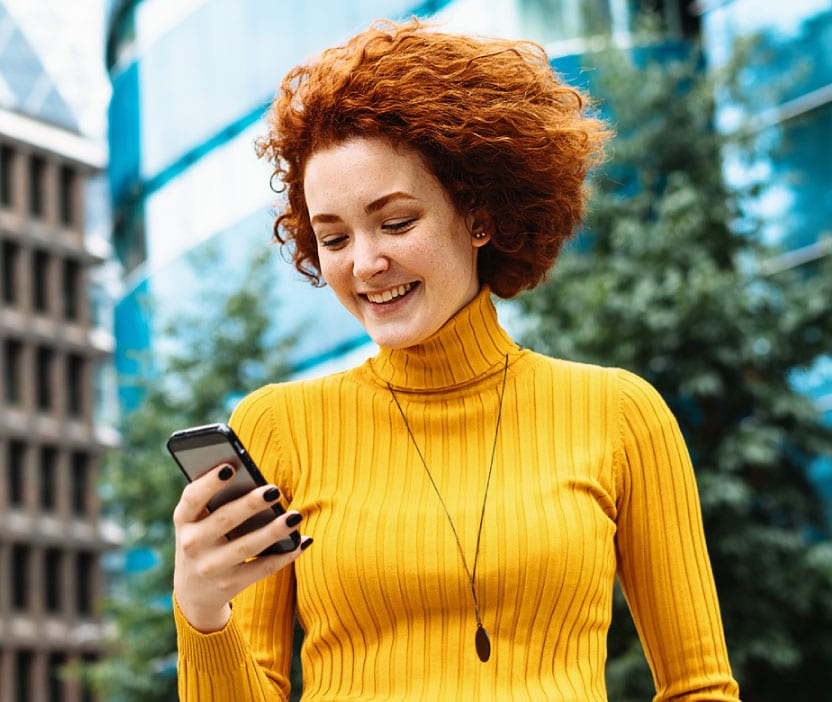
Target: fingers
[
  {"x": 209, "y": 568},
  {"x": 211, "y": 530},
  {"x": 194, "y": 500},
  {"x": 200, "y": 531},
  {"x": 233, "y": 565},
  {"x": 254, "y": 543}
]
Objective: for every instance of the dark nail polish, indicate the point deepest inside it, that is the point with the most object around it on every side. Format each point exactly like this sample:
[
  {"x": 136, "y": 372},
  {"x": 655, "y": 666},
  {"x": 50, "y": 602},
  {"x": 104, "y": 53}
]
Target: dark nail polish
[
  {"x": 271, "y": 494},
  {"x": 293, "y": 520},
  {"x": 226, "y": 472},
  {"x": 306, "y": 543}
]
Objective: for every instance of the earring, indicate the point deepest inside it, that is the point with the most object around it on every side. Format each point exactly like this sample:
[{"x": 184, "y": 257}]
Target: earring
[{"x": 480, "y": 235}]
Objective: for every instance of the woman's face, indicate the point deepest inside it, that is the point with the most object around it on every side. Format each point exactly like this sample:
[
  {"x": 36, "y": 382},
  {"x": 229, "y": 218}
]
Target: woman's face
[{"x": 391, "y": 244}]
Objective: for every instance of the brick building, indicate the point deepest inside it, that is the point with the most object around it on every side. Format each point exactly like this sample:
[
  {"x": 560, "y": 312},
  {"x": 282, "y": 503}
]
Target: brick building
[{"x": 51, "y": 533}]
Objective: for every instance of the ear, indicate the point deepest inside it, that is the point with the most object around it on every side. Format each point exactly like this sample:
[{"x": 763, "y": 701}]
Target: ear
[{"x": 478, "y": 225}]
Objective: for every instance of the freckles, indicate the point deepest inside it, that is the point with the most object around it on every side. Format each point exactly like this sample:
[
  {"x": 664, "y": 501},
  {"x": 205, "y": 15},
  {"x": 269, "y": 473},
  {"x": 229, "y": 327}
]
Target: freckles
[{"x": 329, "y": 270}]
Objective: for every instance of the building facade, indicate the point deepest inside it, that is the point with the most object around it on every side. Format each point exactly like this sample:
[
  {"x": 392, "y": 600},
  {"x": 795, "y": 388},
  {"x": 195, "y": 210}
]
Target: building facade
[
  {"x": 187, "y": 177},
  {"x": 792, "y": 67},
  {"x": 51, "y": 351},
  {"x": 190, "y": 88},
  {"x": 51, "y": 535},
  {"x": 191, "y": 84}
]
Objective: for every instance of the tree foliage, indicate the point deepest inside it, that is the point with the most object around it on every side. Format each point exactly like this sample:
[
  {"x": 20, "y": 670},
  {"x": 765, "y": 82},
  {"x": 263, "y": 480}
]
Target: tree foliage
[
  {"x": 670, "y": 281},
  {"x": 225, "y": 346}
]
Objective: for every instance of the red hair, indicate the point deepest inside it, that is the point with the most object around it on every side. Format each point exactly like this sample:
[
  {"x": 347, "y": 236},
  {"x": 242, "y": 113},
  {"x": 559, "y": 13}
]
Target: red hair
[{"x": 492, "y": 121}]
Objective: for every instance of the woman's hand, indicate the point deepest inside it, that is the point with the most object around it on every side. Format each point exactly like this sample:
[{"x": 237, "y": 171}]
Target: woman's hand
[{"x": 208, "y": 568}]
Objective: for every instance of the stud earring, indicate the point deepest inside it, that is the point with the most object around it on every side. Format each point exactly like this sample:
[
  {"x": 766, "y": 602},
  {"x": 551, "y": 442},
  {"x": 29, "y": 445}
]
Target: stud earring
[{"x": 480, "y": 235}]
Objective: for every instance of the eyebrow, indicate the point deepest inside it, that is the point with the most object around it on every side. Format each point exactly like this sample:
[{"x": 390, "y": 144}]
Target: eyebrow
[
  {"x": 376, "y": 205},
  {"x": 370, "y": 208}
]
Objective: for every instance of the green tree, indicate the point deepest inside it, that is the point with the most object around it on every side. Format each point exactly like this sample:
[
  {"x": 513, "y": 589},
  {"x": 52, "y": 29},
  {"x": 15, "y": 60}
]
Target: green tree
[
  {"x": 670, "y": 281},
  {"x": 225, "y": 346}
]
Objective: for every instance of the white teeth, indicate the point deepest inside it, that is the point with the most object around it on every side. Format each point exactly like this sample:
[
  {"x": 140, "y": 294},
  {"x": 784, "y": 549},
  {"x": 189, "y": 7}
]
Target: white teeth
[{"x": 388, "y": 295}]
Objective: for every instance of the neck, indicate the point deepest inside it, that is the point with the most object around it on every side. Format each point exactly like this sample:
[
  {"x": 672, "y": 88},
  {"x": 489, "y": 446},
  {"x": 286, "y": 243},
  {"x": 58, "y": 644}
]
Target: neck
[{"x": 470, "y": 346}]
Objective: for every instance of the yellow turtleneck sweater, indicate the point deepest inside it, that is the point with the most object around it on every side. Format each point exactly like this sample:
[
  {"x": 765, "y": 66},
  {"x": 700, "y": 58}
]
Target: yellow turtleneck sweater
[{"x": 591, "y": 480}]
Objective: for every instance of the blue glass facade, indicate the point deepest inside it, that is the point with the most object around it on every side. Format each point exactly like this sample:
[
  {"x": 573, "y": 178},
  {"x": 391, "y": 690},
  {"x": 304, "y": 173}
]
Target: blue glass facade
[
  {"x": 26, "y": 87},
  {"x": 794, "y": 63},
  {"x": 192, "y": 81},
  {"x": 190, "y": 87},
  {"x": 791, "y": 67}
]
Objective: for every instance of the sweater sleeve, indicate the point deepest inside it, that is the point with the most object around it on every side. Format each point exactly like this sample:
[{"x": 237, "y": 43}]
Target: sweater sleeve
[
  {"x": 663, "y": 563},
  {"x": 221, "y": 666},
  {"x": 250, "y": 658}
]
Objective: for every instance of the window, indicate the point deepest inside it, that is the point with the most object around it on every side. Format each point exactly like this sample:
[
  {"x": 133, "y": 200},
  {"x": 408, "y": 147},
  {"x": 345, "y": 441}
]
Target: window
[
  {"x": 84, "y": 582},
  {"x": 10, "y": 265},
  {"x": 71, "y": 289},
  {"x": 21, "y": 557},
  {"x": 80, "y": 482},
  {"x": 7, "y": 157},
  {"x": 43, "y": 379},
  {"x": 76, "y": 373},
  {"x": 40, "y": 282},
  {"x": 37, "y": 173},
  {"x": 12, "y": 366},
  {"x": 558, "y": 20},
  {"x": 16, "y": 467},
  {"x": 67, "y": 196},
  {"x": 23, "y": 671},
  {"x": 52, "y": 580},
  {"x": 676, "y": 17},
  {"x": 87, "y": 694},
  {"x": 48, "y": 476},
  {"x": 57, "y": 662}
]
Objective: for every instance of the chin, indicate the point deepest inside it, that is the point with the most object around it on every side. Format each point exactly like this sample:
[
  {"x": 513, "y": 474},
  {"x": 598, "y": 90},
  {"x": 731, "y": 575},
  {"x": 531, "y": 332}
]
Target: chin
[
  {"x": 387, "y": 342},
  {"x": 396, "y": 341}
]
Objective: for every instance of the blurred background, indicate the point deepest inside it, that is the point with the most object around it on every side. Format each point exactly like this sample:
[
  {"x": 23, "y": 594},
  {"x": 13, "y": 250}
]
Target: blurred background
[{"x": 139, "y": 293}]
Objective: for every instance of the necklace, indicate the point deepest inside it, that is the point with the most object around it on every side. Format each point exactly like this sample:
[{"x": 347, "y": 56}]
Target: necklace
[{"x": 481, "y": 641}]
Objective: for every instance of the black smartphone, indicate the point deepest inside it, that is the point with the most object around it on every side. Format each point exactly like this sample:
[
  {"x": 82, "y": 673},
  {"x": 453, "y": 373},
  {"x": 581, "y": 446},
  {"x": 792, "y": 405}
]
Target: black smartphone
[{"x": 199, "y": 449}]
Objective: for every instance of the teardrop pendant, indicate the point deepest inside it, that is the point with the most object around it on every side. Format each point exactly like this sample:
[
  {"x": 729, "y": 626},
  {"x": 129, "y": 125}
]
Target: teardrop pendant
[{"x": 483, "y": 643}]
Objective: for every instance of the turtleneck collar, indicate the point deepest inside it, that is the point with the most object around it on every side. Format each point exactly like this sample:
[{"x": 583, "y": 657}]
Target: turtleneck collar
[{"x": 469, "y": 346}]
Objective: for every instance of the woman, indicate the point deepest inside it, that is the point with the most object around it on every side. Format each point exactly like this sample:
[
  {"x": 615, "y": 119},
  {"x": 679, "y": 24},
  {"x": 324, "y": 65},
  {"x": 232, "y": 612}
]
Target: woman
[{"x": 471, "y": 502}]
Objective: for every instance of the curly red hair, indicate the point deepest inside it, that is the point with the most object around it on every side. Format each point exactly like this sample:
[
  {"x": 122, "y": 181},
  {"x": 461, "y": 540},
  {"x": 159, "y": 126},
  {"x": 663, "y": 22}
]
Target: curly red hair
[{"x": 501, "y": 133}]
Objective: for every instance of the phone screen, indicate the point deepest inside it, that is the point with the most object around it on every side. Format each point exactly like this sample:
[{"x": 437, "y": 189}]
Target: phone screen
[{"x": 199, "y": 449}]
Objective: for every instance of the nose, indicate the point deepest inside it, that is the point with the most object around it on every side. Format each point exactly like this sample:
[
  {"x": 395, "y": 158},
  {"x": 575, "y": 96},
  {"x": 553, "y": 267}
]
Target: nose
[{"x": 368, "y": 258}]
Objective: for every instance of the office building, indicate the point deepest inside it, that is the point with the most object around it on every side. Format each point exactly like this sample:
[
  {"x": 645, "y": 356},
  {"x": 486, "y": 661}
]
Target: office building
[
  {"x": 191, "y": 84},
  {"x": 51, "y": 533},
  {"x": 792, "y": 68}
]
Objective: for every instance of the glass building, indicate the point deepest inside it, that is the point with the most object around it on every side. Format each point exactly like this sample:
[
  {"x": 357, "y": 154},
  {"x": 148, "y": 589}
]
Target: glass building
[
  {"x": 191, "y": 82},
  {"x": 795, "y": 66},
  {"x": 190, "y": 86}
]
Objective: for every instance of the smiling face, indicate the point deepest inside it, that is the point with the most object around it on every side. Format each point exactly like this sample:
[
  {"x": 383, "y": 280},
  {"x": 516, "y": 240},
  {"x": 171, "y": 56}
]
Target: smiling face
[{"x": 391, "y": 244}]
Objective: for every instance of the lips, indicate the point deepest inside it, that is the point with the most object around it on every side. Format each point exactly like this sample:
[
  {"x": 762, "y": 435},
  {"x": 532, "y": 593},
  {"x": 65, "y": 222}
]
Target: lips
[{"x": 391, "y": 294}]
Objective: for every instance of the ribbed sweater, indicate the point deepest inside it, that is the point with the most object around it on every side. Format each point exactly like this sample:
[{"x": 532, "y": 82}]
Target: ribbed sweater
[{"x": 591, "y": 481}]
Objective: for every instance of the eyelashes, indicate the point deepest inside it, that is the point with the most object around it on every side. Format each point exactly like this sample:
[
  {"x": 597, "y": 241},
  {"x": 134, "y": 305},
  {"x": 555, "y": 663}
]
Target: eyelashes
[
  {"x": 335, "y": 242},
  {"x": 396, "y": 227}
]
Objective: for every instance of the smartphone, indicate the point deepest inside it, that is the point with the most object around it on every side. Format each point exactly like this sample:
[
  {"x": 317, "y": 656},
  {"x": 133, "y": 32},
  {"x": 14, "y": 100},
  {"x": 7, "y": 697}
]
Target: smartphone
[{"x": 199, "y": 449}]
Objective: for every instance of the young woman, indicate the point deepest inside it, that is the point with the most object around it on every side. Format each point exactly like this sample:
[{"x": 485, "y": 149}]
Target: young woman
[{"x": 471, "y": 502}]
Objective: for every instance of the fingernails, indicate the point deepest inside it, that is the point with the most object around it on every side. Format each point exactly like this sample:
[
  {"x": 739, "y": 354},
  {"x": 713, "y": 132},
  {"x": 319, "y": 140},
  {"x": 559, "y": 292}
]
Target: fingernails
[
  {"x": 306, "y": 543},
  {"x": 293, "y": 519},
  {"x": 226, "y": 473},
  {"x": 271, "y": 494}
]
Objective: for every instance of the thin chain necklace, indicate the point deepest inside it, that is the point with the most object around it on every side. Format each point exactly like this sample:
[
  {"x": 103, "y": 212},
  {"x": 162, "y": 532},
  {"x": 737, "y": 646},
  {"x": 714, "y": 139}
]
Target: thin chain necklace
[{"x": 481, "y": 641}]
